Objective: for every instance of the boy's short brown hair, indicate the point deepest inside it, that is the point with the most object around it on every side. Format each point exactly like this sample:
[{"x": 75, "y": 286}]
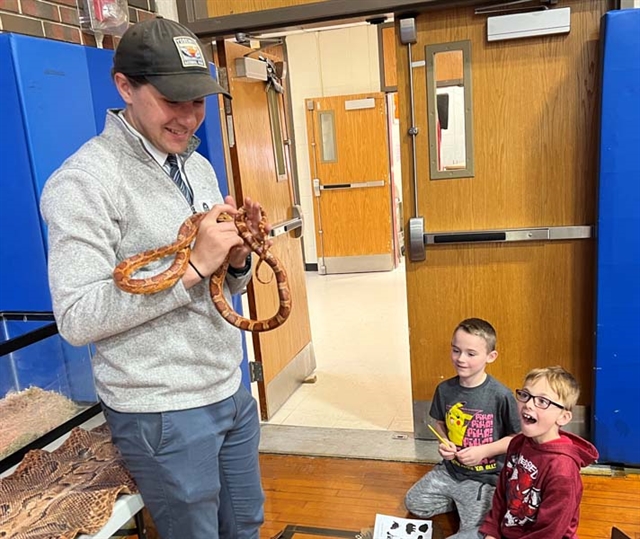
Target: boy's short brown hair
[
  {"x": 480, "y": 328},
  {"x": 561, "y": 381}
]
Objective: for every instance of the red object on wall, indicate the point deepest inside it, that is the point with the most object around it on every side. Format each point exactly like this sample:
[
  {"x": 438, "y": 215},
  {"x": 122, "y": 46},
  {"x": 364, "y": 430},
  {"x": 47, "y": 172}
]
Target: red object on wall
[{"x": 98, "y": 8}]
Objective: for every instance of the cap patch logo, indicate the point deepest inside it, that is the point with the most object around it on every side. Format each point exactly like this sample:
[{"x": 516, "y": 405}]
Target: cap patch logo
[{"x": 189, "y": 51}]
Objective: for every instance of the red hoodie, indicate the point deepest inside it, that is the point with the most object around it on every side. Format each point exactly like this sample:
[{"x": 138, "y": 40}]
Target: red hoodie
[{"x": 539, "y": 490}]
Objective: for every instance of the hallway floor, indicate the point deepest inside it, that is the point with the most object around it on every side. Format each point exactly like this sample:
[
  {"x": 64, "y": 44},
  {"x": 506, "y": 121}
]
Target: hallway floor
[{"x": 360, "y": 335}]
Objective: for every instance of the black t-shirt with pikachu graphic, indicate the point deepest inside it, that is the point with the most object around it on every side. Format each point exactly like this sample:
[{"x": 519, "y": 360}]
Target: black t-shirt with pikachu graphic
[{"x": 475, "y": 416}]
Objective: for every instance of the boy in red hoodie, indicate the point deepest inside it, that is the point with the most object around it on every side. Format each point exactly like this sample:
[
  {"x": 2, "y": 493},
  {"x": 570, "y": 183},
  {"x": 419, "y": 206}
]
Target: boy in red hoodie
[{"x": 539, "y": 492}]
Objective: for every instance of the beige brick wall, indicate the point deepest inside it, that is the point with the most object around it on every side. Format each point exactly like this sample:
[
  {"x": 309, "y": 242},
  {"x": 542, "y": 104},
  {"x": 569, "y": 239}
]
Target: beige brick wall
[{"x": 58, "y": 19}]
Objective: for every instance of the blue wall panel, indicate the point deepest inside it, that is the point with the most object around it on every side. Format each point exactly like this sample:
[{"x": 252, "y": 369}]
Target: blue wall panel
[
  {"x": 210, "y": 133},
  {"x": 103, "y": 90},
  {"x": 23, "y": 270},
  {"x": 49, "y": 90},
  {"x": 617, "y": 407},
  {"x": 55, "y": 92}
]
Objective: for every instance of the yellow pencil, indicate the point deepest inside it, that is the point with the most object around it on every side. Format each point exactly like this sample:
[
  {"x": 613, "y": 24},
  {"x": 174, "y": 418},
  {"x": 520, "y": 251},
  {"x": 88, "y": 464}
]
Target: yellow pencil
[{"x": 445, "y": 442}]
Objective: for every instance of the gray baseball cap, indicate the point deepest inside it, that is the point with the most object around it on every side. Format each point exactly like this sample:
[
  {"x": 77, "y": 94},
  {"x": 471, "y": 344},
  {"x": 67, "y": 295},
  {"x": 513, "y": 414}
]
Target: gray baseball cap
[{"x": 169, "y": 56}]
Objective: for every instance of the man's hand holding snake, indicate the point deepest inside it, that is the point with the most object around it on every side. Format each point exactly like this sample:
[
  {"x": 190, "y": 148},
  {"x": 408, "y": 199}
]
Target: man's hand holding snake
[
  {"x": 238, "y": 255},
  {"x": 206, "y": 245},
  {"x": 214, "y": 241}
]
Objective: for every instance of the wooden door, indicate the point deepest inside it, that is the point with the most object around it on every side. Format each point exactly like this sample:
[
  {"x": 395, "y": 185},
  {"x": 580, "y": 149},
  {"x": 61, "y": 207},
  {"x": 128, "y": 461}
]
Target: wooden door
[
  {"x": 285, "y": 354},
  {"x": 535, "y": 125},
  {"x": 349, "y": 160}
]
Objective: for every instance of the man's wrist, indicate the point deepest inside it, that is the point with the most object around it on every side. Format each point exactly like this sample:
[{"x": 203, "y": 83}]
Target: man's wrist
[
  {"x": 240, "y": 272},
  {"x": 196, "y": 269},
  {"x": 238, "y": 257}
]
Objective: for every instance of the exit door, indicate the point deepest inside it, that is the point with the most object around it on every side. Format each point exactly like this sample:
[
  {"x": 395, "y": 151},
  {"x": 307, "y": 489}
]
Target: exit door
[
  {"x": 512, "y": 242},
  {"x": 349, "y": 160}
]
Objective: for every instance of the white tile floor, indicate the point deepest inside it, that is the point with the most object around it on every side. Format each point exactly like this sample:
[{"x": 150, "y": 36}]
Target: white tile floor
[{"x": 360, "y": 336}]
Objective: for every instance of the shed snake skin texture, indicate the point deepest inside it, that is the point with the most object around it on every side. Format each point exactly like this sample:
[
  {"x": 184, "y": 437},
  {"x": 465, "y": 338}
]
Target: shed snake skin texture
[{"x": 66, "y": 492}]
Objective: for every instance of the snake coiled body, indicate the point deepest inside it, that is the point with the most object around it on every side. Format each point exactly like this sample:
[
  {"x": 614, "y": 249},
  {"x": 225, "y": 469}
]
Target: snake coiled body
[{"x": 181, "y": 247}]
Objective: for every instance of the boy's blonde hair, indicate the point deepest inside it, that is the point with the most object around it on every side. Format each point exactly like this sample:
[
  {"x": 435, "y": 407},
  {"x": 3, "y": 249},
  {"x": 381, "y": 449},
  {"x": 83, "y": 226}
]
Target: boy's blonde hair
[
  {"x": 480, "y": 328},
  {"x": 561, "y": 381}
]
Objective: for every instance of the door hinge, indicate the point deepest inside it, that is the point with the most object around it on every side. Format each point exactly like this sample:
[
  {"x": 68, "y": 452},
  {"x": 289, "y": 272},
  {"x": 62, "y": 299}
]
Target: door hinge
[
  {"x": 223, "y": 78},
  {"x": 230, "y": 134},
  {"x": 256, "y": 373}
]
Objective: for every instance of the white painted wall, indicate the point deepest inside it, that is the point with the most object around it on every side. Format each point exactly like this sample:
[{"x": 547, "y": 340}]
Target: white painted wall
[
  {"x": 453, "y": 141},
  {"x": 325, "y": 63},
  {"x": 167, "y": 8}
]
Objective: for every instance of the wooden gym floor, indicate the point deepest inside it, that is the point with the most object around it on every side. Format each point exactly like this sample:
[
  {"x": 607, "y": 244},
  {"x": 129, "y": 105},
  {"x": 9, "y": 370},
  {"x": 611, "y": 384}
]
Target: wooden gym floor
[{"x": 346, "y": 494}]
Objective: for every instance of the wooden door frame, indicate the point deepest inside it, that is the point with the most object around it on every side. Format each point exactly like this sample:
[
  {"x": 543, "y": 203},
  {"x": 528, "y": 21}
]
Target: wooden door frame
[{"x": 194, "y": 15}]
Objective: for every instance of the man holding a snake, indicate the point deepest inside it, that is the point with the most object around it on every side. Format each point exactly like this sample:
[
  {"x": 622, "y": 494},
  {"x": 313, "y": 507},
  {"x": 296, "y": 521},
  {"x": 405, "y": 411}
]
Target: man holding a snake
[{"x": 166, "y": 365}]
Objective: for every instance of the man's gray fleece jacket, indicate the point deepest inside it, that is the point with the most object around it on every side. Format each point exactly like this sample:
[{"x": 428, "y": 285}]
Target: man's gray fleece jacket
[{"x": 166, "y": 351}]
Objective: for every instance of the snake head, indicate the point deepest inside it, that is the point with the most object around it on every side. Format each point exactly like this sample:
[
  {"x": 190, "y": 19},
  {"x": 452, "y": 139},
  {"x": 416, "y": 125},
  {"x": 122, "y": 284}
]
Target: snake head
[{"x": 224, "y": 217}]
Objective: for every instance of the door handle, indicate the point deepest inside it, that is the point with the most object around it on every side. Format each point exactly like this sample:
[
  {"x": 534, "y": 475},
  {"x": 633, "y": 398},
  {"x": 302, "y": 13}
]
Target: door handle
[
  {"x": 295, "y": 225},
  {"x": 317, "y": 186},
  {"x": 286, "y": 226},
  {"x": 468, "y": 237},
  {"x": 334, "y": 186},
  {"x": 511, "y": 235}
]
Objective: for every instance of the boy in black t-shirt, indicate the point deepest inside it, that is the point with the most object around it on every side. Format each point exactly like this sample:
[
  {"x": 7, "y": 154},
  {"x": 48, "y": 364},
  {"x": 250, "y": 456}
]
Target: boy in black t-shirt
[{"x": 477, "y": 416}]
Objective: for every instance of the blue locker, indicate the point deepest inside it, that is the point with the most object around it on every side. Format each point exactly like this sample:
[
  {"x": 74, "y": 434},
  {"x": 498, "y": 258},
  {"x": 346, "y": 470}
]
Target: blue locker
[
  {"x": 23, "y": 268},
  {"x": 617, "y": 406}
]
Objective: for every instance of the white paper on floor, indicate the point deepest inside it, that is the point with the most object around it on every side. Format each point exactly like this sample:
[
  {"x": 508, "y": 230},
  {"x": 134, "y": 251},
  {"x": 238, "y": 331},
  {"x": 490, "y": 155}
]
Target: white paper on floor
[{"x": 387, "y": 527}]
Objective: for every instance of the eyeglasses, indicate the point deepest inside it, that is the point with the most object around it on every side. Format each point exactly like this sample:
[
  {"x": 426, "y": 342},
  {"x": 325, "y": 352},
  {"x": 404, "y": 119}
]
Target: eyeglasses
[{"x": 540, "y": 402}]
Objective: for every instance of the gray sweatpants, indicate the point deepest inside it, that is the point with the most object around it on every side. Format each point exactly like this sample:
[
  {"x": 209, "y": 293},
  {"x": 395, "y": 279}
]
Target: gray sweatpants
[{"x": 437, "y": 492}]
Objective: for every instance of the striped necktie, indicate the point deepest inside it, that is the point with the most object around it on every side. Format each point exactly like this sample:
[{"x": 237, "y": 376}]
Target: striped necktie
[{"x": 176, "y": 176}]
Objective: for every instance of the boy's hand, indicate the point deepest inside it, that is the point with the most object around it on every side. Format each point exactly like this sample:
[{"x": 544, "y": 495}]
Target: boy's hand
[
  {"x": 471, "y": 456},
  {"x": 447, "y": 451}
]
